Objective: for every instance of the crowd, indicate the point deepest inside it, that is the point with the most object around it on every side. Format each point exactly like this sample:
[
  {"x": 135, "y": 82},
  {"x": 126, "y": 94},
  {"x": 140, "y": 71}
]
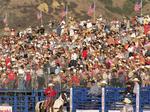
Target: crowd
[{"x": 77, "y": 53}]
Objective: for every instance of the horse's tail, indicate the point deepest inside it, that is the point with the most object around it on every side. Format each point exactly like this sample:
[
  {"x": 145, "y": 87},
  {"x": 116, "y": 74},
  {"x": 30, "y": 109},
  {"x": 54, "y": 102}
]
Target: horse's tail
[{"x": 37, "y": 107}]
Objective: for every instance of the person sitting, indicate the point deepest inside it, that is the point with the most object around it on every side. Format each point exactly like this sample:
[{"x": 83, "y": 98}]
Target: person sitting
[
  {"x": 127, "y": 106},
  {"x": 50, "y": 93}
]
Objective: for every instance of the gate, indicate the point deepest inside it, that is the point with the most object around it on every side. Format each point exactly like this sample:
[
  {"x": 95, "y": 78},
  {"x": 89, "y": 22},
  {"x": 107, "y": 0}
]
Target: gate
[
  {"x": 24, "y": 101},
  {"x": 81, "y": 100},
  {"x": 21, "y": 101},
  {"x": 144, "y": 98},
  {"x": 113, "y": 99}
]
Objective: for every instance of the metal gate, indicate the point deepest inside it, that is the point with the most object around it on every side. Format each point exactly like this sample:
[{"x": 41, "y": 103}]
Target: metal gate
[
  {"x": 81, "y": 100},
  {"x": 113, "y": 99},
  {"x": 24, "y": 101},
  {"x": 145, "y": 99},
  {"x": 21, "y": 101}
]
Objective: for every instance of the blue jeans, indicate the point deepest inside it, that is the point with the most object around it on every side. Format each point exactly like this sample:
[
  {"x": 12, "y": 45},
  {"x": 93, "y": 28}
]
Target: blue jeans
[{"x": 21, "y": 84}]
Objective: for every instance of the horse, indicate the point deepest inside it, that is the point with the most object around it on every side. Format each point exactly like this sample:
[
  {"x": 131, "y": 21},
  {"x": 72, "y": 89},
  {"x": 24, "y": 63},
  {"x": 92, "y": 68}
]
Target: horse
[
  {"x": 57, "y": 106},
  {"x": 59, "y": 103}
]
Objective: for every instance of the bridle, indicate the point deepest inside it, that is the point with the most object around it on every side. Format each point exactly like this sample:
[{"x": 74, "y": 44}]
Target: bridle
[{"x": 64, "y": 97}]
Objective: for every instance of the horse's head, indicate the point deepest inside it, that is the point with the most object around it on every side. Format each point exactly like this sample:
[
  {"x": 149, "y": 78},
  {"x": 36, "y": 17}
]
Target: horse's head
[{"x": 64, "y": 97}]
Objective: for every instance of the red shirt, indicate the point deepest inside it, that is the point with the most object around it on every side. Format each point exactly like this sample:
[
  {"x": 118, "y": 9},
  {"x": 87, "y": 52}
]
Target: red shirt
[
  {"x": 84, "y": 54},
  {"x": 8, "y": 62},
  {"x": 75, "y": 80},
  {"x": 50, "y": 92},
  {"x": 11, "y": 76},
  {"x": 28, "y": 77}
]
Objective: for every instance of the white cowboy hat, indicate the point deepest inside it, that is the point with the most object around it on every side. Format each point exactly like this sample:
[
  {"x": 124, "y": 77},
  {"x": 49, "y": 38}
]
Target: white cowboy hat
[
  {"x": 61, "y": 71},
  {"x": 126, "y": 100},
  {"x": 104, "y": 82},
  {"x": 50, "y": 84},
  {"x": 136, "y": 79},
  {"x": 28, "y": 70}
]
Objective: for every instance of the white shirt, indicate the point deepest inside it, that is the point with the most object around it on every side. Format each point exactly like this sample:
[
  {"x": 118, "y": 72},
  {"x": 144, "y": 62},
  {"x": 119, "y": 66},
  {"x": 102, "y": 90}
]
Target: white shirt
[
  {"x": 89, "y": 25},
  {"x": 74, "y": 56},
  {"x": 21, "y": 71},
  {"x": 127, "y": 108}
]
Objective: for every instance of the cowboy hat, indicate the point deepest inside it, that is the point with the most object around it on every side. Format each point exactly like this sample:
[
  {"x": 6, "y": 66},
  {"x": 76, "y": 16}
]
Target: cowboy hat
[
  {"x": 127, "y": 101},
  {"x": 135, "y": 79},
  {"x": 104, "y": 82},
  {"x": 50, "y": 84}
]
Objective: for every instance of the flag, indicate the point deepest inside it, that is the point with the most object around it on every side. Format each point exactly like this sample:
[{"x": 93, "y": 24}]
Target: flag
[
  {"x": 64, "y": 12},
  {"x": 138, "y": 6},
  {"x": 5, "y": 21},
  {"x": 91, "y": 9},
  {"x": 39, "y": 15}
]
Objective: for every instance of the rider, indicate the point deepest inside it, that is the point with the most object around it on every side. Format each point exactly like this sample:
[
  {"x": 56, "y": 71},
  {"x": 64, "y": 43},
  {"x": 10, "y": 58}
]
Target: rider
[
  {"x": 50, "y": 93},
  {"x": 127, "y": 106}
]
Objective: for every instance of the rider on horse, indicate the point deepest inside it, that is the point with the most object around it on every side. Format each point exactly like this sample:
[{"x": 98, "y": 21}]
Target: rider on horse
[{"x": 50, "y": 93}]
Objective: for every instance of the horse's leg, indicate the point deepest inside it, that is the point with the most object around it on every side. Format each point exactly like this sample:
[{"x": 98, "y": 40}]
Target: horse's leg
[
  {"x": 61, "y": 109},
  {"x": 51, "y": 109}
]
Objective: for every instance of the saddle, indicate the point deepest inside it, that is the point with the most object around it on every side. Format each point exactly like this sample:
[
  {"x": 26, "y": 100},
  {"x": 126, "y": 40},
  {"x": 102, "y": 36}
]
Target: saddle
[{"x": 48, "y": 104}]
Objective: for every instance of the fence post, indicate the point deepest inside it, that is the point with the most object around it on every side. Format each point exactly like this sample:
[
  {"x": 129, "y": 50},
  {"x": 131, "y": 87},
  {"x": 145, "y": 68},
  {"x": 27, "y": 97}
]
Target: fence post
[
  {"x": 103, "y": 99},
  {"x": 71, "y": 99},
  {"x": 138, "y": 99}
]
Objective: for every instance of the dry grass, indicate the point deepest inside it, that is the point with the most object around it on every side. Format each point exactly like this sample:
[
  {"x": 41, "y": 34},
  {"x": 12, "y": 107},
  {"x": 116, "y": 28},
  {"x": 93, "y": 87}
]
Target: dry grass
[{"x": 118, "y": 3}]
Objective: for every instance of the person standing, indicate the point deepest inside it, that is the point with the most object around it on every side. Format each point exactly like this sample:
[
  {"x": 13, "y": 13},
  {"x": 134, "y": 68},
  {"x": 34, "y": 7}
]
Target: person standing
[
  {"x": 136, "y": 91},
  {"x": 21, "y": 75}
]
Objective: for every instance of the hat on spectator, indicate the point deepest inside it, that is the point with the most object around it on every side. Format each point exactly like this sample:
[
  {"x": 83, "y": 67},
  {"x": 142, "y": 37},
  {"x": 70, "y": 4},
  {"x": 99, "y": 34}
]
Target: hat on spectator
[
  {"x": 103, "y": 82},
  {"x": 28, "y": 70},
  {"x": 136, "y": 80},
  {"x": 50, "y": 84},
  {"x": 127, "y": 101}
]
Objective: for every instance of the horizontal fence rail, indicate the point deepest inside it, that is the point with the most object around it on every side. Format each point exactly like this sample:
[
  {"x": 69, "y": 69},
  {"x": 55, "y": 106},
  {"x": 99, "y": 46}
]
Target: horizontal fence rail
[
  {"x": 114, "y": 97},
  {"x": 80, "y": 99}
]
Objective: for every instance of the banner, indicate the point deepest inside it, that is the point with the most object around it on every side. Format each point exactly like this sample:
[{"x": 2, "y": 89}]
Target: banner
[
  {"x": 5, "y": 109},
  {"x": 64, "y": 12}
]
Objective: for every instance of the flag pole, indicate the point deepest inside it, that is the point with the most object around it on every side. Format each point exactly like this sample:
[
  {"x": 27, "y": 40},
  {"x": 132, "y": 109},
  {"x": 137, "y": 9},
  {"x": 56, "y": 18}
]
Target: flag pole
[
  {"x": 41, "y": 19},
  {"x": 94, "y": 11},
  {"x": 141, "y": 7},
  {"x": 66, "y": 11},
  {"x": 6, "y": 19}
]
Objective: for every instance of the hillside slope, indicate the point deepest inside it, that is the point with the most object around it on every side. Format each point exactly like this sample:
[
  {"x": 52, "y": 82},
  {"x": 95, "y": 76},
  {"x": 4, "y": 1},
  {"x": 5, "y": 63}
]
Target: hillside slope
[{"x": 23, "y": 12}]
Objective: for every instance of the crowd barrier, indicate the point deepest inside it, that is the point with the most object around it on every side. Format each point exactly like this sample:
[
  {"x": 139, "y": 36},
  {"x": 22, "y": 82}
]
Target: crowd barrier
[
  {"x": 21, "y": 101},
  {"x": 111, "y": 100},
  {"x": 24, "y": 101}
]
